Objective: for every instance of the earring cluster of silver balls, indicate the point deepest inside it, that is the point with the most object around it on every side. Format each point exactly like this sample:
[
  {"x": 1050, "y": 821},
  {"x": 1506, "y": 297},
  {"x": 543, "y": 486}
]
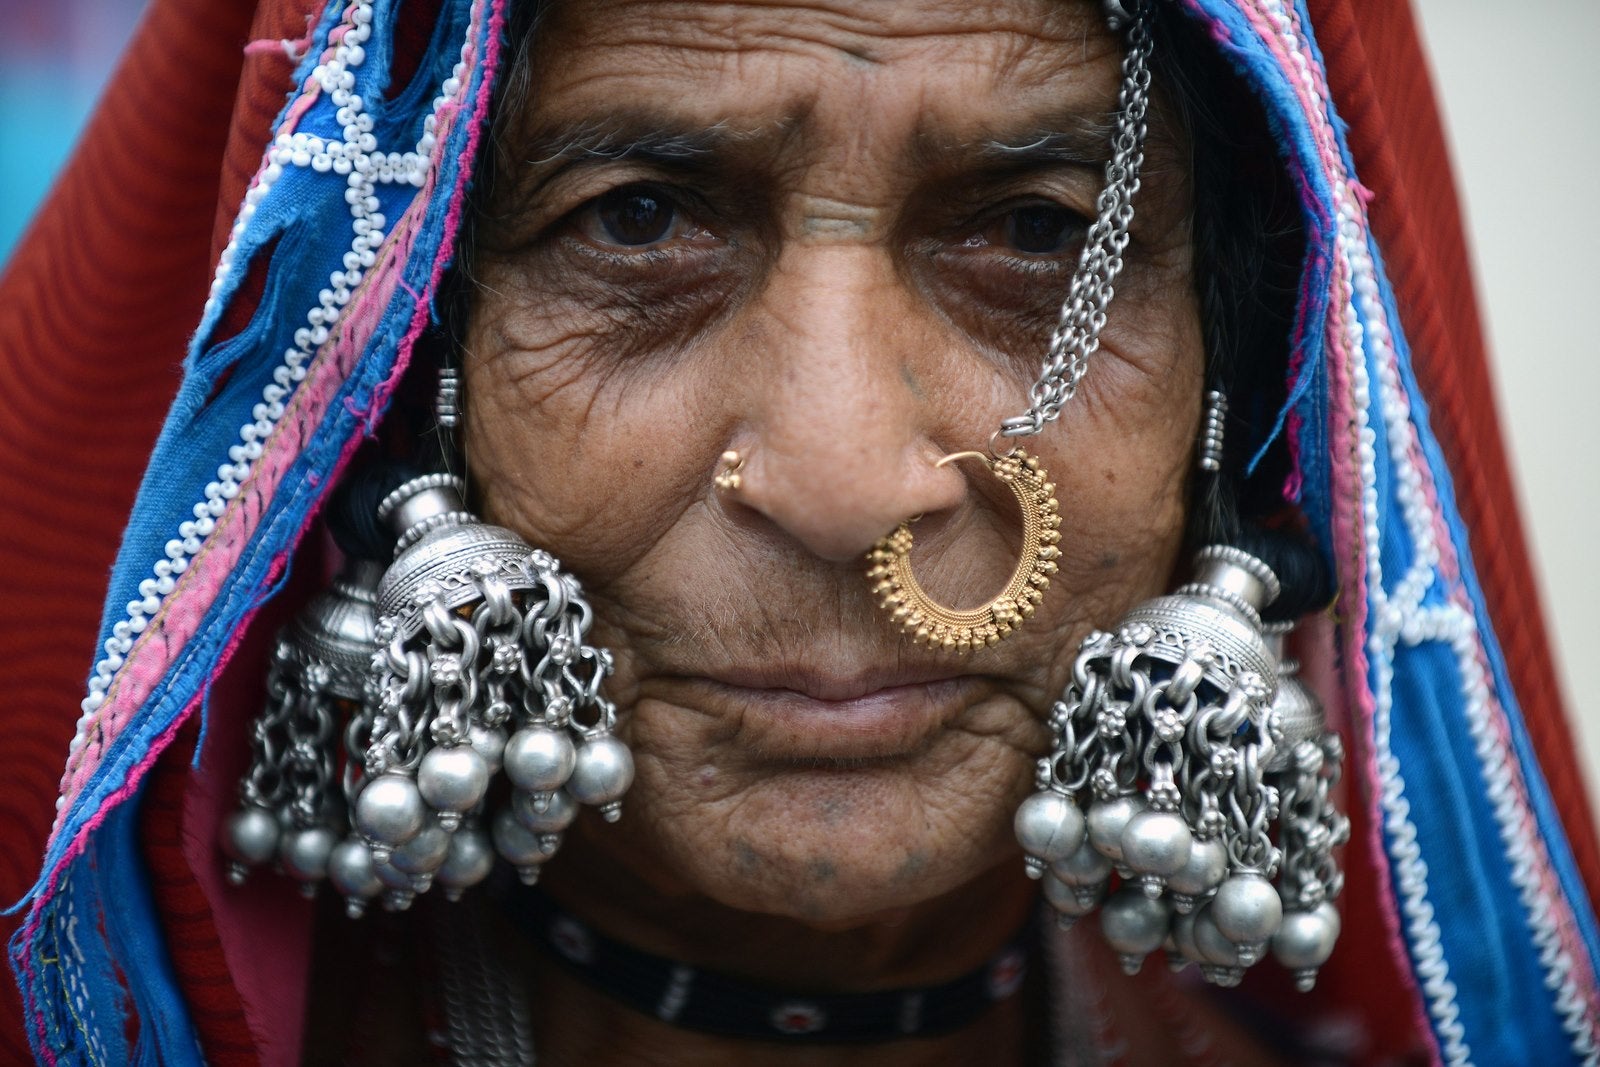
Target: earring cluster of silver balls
[
  {"x": 467, "y": 661},
  {"x": 1188, "y": 796}
]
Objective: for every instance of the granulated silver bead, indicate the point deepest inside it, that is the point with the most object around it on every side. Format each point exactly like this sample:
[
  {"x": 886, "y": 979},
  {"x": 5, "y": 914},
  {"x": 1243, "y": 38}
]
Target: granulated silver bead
[
  {"x": 1247, "y": 909},
  {"x": 1050, "y": 827},
  {"x": 468, "y": 862},
  {"x": 1070, "y": 902},
  {"x": 1108, "y": 818},
  {"x": 350, "y": 869},
  {"x": 1305, "y": 941},
  {"x": 1182, "y": 938},
  {"x": 490, "y": 743},
  {"x": 1219, "y": 957},
  {"x": 1156, "y": 844},
  {"x": 392, "y": 877},
  {"x": 539, "y": 759},
  {"x": 544, "y": 813},
  {"x": 424, "y": 853},
  {"x": 453, "y": 780},
  {"x": 390, "y": 810},
  {"x": 1084, "y": 866},
  {"x": 1134, "y": 926},
  {"x": 304, "y": 854},
  {"x": 1201, "y": 873},
  {"x": 250, "y": 836},
  {"x": 603, "y": 773},
  {"x": 521, "y": 847}
]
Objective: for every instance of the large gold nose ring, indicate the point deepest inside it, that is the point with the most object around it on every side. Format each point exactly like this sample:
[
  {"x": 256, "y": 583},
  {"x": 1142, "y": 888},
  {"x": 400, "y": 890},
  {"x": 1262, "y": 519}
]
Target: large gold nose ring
[{"x": 966, "y": 629}]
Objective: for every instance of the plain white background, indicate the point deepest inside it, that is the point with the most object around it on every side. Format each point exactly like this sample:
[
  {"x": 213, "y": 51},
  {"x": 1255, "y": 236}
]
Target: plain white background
[{"x": 1521, "y": 89}]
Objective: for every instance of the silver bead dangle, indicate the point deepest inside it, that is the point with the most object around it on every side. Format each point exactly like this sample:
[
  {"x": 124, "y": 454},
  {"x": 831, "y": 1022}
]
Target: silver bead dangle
[
  {"x": 447, "y": 401},
  {"x": 291, "y": 810},
  {"x": 1189, "y": 785},
  {"x": 1309, "y": 764},
  {"x": 482, "y": 669},
  {"x": 1214, "y": 433}
]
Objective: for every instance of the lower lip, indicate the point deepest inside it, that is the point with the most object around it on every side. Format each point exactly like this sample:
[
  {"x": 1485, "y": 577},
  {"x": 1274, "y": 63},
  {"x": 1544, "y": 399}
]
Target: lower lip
[{"x": 782, "y": 724}]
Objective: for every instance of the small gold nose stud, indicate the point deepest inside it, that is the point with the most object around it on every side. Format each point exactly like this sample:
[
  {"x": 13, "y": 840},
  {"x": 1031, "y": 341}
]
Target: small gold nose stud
[{"x": 727, "y": 477}]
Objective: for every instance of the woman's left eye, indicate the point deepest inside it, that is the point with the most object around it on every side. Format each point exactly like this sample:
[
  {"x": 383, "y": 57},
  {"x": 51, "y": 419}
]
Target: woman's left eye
[
  {"x": 633, "y": 217},
  {"x": 1038, "y": 229}
]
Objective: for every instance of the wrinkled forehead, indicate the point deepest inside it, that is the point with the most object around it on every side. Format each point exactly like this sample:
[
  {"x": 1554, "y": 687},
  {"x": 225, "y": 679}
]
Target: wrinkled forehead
[{"x": 882, "y": 75}]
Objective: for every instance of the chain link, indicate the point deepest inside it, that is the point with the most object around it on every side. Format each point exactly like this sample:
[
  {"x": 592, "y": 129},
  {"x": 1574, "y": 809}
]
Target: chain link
[
  {"x": 265, "y": 783},
  {"x": 1083, "y": 314}
]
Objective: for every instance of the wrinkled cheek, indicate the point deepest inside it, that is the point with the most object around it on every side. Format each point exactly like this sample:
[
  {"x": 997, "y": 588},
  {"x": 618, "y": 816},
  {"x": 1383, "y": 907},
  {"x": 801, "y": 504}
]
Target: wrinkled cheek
[
  {"x": 561, "y": 451},
  {"x": 1122, "y": 528}
]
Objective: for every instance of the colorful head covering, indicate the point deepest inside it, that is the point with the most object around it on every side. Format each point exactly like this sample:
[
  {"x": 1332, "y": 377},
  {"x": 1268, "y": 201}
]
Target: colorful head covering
[{"x": 1467, "y": 916}]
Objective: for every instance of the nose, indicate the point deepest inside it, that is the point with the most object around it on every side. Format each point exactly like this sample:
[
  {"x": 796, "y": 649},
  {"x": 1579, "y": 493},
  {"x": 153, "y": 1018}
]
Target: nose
[{"x": 841, "y": 421}]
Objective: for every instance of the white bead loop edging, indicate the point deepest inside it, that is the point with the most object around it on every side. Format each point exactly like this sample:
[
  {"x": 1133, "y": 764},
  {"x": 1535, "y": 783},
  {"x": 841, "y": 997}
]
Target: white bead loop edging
[{"x": 363, "y": 167}]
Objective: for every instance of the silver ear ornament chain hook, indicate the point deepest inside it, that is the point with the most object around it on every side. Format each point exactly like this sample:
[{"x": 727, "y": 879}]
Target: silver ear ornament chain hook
[
  {"x": 1072, "y": 343},
  {"x": 1083, "y": 312}
]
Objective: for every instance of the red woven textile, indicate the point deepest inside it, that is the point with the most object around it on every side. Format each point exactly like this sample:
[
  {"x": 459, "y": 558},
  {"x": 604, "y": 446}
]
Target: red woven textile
[{"x": 96, "y": 307}]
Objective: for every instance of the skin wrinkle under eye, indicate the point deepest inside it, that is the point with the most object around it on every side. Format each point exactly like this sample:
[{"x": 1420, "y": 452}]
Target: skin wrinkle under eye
[{"x": 835, "y": 327}]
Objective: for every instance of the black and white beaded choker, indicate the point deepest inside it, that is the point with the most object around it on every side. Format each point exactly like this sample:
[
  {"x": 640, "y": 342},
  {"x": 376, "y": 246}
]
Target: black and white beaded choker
[{"x": 722, "y": 1004}]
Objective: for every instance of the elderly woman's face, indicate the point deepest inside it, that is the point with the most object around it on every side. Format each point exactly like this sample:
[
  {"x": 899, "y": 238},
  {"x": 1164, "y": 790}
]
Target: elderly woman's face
[{"x": 833, "y": 237}]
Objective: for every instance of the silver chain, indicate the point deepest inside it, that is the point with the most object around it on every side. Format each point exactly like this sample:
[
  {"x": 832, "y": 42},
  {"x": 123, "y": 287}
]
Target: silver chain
[
  {"x": 485, "y": 1003},
  {"x": 1083, "y": 314}
]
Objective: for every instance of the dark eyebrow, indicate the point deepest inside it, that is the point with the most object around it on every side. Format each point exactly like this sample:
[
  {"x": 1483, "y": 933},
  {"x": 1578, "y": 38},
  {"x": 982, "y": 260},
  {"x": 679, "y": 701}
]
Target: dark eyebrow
[
  {"x": 548, "y": 151},
  {"x": 1070, "y": 139},
  {"x": 613, "y": 141}
]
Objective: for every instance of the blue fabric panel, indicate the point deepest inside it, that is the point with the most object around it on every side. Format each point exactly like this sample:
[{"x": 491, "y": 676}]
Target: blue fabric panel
[
  {"x": 1512, "y": 981},
  {"x": 166, "y": 1035},
  {"x": 82, "y": 1004}
]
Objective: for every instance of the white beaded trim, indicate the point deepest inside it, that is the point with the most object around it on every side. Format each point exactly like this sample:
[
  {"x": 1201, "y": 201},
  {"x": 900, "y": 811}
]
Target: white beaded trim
[
  {"x": 1399, "y": 616},
  {"x": 358, "y": 159}
]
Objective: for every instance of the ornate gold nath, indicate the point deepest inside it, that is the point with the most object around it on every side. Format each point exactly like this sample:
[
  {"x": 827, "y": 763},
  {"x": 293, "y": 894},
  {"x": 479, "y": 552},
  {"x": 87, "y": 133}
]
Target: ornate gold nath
[{"x": 963, "y": 630}]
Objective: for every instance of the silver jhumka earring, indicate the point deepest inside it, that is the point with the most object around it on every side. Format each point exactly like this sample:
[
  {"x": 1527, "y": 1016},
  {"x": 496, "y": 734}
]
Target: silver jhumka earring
[
  {"x": 291, "y": 809},
  {"x": 482, "y": 668},
  {"x": 1181, "y": 744},
  {"x": 466, "y": 659}
]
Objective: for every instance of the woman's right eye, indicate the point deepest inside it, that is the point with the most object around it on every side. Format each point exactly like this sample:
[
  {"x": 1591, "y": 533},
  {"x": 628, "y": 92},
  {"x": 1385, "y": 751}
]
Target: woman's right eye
[{"x": 634, "y": 218}]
